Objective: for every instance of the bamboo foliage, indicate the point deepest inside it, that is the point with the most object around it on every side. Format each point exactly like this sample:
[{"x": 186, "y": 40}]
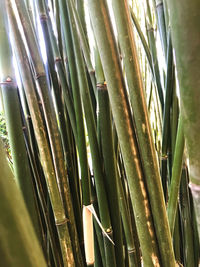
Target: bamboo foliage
[{"x": 99, "y": 136}]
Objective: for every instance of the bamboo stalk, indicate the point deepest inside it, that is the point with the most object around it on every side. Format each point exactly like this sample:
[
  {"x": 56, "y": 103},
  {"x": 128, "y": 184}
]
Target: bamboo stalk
[
  {"x": 11, "y": 105},
  {"x": 186, "y": 43},
  {"x": 188, "y": 246},
  {"x": 53, "y": 51},
  {"x": 143, "y": 131},
  {"x": 107, "y": 146},
  {"x": 131, "y": 246},
  {"x": 45, "y": 154},
  {"x": 152, "y": 44},
  {"x": 19, "y": 244},
  {"x": 81, "y": 12},
  {"x": 46, "y": 31},
  {"x": 169, "y": 83},
  {"x": 51, "y": 122},
  {"x": 124, "y": 125},
  {"x": 110, "y": 169},
  {"x": 161, "y": 24},
  {"x": 90, "y": 122},
  {"x": 176, "y": 177},
  {"x": 98, "y": 258},
  {"x": 143, "y": 40},
  {"x": 58, "y": 27},
  {"x": 85, "y": 48}
]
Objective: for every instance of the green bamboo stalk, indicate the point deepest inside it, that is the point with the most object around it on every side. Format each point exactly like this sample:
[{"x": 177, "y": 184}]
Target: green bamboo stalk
[
  {"x": 124, "y": 125},
  {"x": 174, "y": 122},
  {"x": 54, "y": 80},
  {"x": 143, "y": 129},
  {"x": 189, "y": 260},
  {"x": 142, "y": 38},
  {"x": 52, "y": 48},
  {"x": 152, "y": 44},
  {"x": 58, "y": 27},
  {"x": 19, "y": 245},
  {"x": 45, "y": 154},
  {"x": 169, "y": 83},
  {"x": 85, "y": 48},
  {"x": 131, "y": 235},
  {"x": 177, "y": 237},
  {"x": 14, "y": 123},
  {"x": 166, "y": 14},
  {"x": 110, "y": 169},
  {"x": 97, "y": 229},
  {"x": 131, "y": 247},
  {"x": 161, "y": 24},
  {"x": 44, "y": 207},
  {"x": 51, "y": 122},
  {"x": 100, "y": 240},
  {"x": 44, "y": 22},
  {"x": 176, "y": 176},
  {"x": 60, "y": 111},
  {"x": 107, "y": 146},
  {"x": 195, "y": 231},
  {"x": 79, "y": 120},
  {"x": 186, "y": 43},
  {"x": 78, "y": 109},
  {"x": 98, "y": 259},
  {"x": 81, "y": 12},
  {"x": 90, "y": 122}
]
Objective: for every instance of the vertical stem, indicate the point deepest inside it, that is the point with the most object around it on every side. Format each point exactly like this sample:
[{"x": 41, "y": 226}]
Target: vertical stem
[
  {"x": 50, "y": 117},
  {"x": 185, "y": 15},
  {"x": 98, "y": 174},
  {"x": 17, "y": 220},
  {"x": 176, "y": 177},
  {"x": 11, "y": 105},
  {"x": 110, "y": 169},
  {"x": 124, "y": 125},
  {"x": 143, "y": 130},
  {"x": 44, "y": 150}
]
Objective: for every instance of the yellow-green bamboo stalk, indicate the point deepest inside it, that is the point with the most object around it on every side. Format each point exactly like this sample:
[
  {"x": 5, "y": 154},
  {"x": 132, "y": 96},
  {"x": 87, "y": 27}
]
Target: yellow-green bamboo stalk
[
  {"x": 51, "y": 122},
  {"x": 124, "y": 125},
  {"x": 11, "y": 103},
  {"x": 19, "y": 245},
  {"x": 184, "y": 15},
  {"x": 143, "y": 130},
  {"x": 44, "y": 150}
]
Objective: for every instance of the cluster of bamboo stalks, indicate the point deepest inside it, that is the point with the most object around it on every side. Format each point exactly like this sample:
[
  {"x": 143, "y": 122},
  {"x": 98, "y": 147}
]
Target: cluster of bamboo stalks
[{"x": 135, "y": 203}]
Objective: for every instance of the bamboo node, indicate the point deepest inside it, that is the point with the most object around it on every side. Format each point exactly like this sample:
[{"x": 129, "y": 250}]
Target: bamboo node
[
  {"x": 159, "y": 3},
  {"x": 164, "y": 157},
  {"x": 92, "y": 71},
  {"x": 66, "y": 220},
  {"x": 43, "y": 17},
  {"x": 38, "y": 75},
  {"x": 102, "y": 86},
  {"x": 108, "y": 231},
  {"x": 9, "y": 81},
  {"x": 150, "y": 27},
  {"x": 130, "y": 251},
  {"x": 184, "y": 166},
  {"x": 58, "y": 59}
]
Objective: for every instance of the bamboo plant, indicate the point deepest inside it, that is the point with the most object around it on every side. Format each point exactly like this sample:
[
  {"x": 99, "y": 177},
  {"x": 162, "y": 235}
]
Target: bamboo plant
[{"x": 104, "y": 150}]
